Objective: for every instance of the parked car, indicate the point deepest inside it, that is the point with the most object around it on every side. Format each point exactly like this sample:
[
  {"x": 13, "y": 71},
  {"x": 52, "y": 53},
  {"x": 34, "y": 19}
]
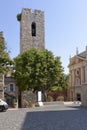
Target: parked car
[{"x": 3, "y": 105}]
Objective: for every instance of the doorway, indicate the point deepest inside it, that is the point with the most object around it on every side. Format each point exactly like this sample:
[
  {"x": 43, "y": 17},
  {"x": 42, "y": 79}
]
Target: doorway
[{"x": 78, "y": 97}]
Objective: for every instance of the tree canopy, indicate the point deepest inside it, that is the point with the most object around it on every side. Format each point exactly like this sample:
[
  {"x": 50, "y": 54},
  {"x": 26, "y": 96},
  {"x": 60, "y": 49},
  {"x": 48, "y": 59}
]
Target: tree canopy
[
  {"x": 4, "y": 56},
  {"x": 37, "y": 68},
  {"x": 61, "y": 84}
]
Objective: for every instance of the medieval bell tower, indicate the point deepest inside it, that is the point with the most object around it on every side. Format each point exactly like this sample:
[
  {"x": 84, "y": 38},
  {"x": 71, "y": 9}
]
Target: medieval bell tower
[{"x": 31, "y": 29}]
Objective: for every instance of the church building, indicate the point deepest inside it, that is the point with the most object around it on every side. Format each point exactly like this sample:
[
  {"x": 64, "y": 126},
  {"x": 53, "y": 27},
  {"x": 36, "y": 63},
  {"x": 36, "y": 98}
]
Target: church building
[{"x": 78, "y": 77}]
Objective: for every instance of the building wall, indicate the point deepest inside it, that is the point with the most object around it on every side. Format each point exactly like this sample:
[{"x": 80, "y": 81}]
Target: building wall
[
  {"x": 76, "y": 82},
  {"x": 78, "y": 78},
  {"x": 1, "y": 86},
  {"x": 10, "y": 91},
  {"x": 84, "y": 95},
  {"x": 28, "y": 41}
]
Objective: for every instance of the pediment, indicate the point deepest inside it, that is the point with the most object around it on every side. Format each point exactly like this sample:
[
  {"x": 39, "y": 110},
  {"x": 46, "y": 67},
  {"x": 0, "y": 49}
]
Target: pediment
[{"x": 76, "y": 60}]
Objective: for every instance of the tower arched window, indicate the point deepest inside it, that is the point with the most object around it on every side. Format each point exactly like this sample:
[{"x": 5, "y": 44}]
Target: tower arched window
[{"x": 33, "y": 29}]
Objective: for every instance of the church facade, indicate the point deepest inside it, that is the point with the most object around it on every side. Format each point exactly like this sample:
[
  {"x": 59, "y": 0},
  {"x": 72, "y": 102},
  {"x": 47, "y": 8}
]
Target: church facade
[{"x": 78, "y": 77}]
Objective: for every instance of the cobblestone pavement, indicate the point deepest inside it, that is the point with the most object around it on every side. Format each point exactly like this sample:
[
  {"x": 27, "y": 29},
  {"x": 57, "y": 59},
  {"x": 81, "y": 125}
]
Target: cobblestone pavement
[{"x": 56, "y": 117}]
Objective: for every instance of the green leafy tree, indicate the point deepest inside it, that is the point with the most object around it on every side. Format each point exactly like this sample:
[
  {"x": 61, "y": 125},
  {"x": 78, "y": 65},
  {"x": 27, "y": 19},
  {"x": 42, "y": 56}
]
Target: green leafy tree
[
  {"x": 35, "y": 69},
  {"x": 4, "y": 57},
  {"x": 61, "y": 84}
]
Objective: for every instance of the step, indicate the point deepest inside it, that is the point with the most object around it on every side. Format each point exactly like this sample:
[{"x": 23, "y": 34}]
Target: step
[{"x": 54, "y": 103}]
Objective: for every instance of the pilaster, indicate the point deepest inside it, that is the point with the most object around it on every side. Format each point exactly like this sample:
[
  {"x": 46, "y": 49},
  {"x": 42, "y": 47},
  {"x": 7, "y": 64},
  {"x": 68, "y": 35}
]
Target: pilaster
[
  {"x": 82, "y": 75},
  {"x": 85, "y": 74}
]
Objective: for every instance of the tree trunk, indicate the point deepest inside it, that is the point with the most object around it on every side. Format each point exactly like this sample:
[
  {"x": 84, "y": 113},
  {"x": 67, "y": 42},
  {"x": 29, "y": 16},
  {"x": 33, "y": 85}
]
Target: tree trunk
[
  {"x": 44, "y": 94},
  {"x": 19, "y": 99}
]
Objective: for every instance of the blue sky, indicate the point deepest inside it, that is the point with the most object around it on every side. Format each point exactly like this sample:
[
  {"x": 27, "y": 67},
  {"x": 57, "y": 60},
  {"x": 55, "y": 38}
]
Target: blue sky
[{"x": 65, "y": 25}]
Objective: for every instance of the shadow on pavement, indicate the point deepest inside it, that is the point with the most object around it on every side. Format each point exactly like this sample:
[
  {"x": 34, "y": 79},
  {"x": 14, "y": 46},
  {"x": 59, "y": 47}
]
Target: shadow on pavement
[{"x": 56, "y": 120}]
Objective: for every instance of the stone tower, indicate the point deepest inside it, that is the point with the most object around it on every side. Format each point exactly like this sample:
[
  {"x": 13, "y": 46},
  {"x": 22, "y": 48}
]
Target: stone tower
[{"x": 31, "y": 29}]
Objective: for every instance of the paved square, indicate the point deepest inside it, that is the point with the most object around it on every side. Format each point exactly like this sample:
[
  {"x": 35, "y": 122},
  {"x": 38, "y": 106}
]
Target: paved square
[{"x": 48, "y": 117}]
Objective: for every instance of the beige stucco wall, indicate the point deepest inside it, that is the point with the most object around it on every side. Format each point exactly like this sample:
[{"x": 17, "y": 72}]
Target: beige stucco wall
[
  {"x": 84, "y": 95},
  {"x": 76, "y": 88}
]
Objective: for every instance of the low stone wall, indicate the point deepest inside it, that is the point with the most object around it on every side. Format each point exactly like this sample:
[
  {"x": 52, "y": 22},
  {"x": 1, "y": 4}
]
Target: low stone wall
[{"x": 28, "y": 99}]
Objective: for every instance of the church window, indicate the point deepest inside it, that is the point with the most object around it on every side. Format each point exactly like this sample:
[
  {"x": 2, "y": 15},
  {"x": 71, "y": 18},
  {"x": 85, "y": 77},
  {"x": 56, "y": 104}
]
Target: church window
[
  {"x": 77, "y": 81},
  {"x": 77, "y": 72},
  {"x": 33, "y": 29}
]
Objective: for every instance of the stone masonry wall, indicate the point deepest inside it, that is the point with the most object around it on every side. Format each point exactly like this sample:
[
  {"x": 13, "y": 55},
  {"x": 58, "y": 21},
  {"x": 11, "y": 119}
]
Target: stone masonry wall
[
  {"x": 28, "y": 99},
  {"x": 1, "y": 87},
  {"x": 28, "y": 41}
]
